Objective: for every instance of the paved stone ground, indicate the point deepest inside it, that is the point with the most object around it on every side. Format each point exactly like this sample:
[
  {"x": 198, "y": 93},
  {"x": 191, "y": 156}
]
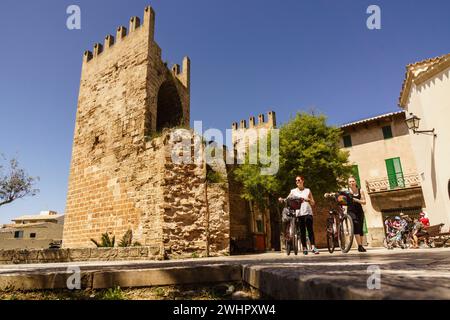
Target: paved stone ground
[{"x": 405, "y": 274}]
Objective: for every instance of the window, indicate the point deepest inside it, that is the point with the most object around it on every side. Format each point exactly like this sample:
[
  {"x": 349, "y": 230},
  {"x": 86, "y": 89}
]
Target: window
[
  {"x": 387, "y": 132},
  {"x": 33, "y": 235},
  {"x": 355, "y": 173},
  {"x": 347, "y": 141},
  {"x": 18, "y": 234},
  {"x": 395, "y": 173}
]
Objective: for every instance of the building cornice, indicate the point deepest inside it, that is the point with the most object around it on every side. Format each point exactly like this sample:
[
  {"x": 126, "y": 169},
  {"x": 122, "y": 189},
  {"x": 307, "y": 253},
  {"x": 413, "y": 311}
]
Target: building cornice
[{"x": 415, "y": 76}]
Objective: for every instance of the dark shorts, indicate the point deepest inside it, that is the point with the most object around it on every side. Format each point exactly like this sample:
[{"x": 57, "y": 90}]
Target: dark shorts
[{"x": 358, "y": 222}]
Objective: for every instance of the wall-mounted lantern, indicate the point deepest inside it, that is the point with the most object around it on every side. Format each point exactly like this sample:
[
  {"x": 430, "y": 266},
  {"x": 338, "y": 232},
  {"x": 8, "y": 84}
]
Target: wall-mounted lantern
[{"x": 412, "y": 121}]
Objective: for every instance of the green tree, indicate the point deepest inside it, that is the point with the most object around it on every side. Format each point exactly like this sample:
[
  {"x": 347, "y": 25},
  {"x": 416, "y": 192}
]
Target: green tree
[{"x": 308, "y": 147}]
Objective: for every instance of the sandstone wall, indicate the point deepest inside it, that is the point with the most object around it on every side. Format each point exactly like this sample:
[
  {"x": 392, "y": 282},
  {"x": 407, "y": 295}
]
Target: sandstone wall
[
  {"x": 219, "y": 221},
  {"x": 171, "y": 201},
  {"x": 320, "y": 224},
  {"x": 117, "y": 176},
  {"x": 191, "y": 222}
]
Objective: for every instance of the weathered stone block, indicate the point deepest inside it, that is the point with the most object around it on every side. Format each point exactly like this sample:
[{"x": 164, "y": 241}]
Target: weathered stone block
[
  {"x": 79, "y": 254},
  {"x": 103, "y": 253},
  {"x": 53, "y": 255},
  {"x": 6, "y": 255},
  {"x": 128, "y": 253}
]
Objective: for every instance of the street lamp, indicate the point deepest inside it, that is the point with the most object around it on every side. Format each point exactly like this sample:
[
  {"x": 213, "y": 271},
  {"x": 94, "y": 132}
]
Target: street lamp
[{"x": 412, "y": 121}]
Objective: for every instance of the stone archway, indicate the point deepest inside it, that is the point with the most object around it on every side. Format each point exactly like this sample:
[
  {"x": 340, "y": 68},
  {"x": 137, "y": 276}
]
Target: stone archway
[{"x": 169, "y": 111}]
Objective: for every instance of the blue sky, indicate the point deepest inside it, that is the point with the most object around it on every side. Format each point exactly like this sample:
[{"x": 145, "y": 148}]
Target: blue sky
[{"x": 248, "y": 57}]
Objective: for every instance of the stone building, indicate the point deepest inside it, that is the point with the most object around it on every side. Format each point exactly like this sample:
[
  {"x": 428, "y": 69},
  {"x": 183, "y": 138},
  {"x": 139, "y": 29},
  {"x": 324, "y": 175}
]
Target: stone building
[
  {"x": 252, "y": 229},
  {"x": 385, "y": 169},
  {"x": 32, "y": 231},
  {"x": 426, "y": 95},
  {"x": 122, "y": 176}
]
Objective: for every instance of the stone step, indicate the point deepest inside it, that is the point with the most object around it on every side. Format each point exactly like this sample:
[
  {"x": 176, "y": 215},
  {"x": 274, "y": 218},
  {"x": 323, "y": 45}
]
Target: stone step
[{"x": 124, "y": 278}]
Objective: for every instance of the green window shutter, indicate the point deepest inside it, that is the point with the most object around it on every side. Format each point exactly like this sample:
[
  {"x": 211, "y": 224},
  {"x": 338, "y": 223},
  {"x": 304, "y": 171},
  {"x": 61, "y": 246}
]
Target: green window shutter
[
  {"x": 355, "y": 173},
  {"x": 399, "y": 172},
  {"x": 387, "y": 132},
  {"x": 391, "y": 173},
  {"x": 395, "y": 173},
  {"x": 347, "y": 141}
]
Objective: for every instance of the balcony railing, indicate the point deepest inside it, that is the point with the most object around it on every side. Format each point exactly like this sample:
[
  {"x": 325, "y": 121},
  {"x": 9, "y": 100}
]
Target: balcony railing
[{"x": 393, "y": 182}]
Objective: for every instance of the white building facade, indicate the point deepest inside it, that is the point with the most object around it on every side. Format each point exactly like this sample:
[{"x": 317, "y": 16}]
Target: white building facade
[{"x": 426, "y": 94}]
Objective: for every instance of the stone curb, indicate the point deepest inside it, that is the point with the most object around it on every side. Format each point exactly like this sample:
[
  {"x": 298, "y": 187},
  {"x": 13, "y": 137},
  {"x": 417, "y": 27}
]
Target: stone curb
[
  {"x": 279, "y": 286},
  {"x": 123, "y": 278}
]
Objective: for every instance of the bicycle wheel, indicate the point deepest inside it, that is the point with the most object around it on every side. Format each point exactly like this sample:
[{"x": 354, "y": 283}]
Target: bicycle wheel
[
  {"x": 446, "y": 243},
  {"x": 385, "y": 243},
  {"x": 407, "y": 242},
  {"x": 294, "y": 236},
  {"x": 346, "y": 234},
  {"x": 295, "y": 244},
  {"x": 330, "y": 235},
  {"x": 330, "y": 242},
  {"x": 288, "y": 247}
]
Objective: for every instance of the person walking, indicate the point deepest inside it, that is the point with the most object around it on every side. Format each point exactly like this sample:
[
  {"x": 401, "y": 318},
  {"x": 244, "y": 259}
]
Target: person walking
[
  {"x": 356, "y": 211},
  {"x": 304, "y": 214}
]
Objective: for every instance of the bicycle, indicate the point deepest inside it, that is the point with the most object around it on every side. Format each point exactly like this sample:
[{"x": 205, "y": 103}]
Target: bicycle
[
  {"x": 399, "y": 235},
  {"x": 339, "y": 223},
  {"x": 291, "y": 232}
]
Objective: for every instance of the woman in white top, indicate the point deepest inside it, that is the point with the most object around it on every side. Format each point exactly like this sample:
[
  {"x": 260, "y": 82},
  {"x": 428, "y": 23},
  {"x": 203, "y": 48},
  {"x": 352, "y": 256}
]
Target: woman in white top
[{"x": 305, "y": 214}]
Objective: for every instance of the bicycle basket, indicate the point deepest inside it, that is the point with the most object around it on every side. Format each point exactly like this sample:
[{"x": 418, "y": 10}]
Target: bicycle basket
[{"x": 294, "y": 204}]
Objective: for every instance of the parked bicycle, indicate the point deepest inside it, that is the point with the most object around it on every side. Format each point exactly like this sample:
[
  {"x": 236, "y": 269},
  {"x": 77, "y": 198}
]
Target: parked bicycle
[
  {"x": 339, "y": 224},
  {"x": 292, "y": 230},
  {"x": 393, "y": 233}
]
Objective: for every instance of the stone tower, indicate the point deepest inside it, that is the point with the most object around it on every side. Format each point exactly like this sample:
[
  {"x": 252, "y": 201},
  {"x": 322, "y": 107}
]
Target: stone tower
[
  {"x": 120, "y": 170},
  {"x": 251, "y": 227}
]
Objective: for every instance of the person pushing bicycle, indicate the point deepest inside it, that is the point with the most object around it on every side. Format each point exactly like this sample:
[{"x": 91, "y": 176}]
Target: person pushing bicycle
[
  {"x": 305, "y": 213},
  {"x": 356, "y": 211}
]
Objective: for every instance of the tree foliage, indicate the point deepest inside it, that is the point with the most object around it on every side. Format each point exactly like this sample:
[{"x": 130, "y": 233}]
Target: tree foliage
[
  {"x": 308, "y": 147},
  {"x": 15, "y": 183}
]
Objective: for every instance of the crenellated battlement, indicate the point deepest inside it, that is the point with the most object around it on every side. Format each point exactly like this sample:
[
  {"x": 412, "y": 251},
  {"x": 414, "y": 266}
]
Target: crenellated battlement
[
  {"x": 109, "y": 41},
  {"x": 262, "y": 123},
  {"x": 182, "y": 73},
  {"x": 122, "y": 33}
]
